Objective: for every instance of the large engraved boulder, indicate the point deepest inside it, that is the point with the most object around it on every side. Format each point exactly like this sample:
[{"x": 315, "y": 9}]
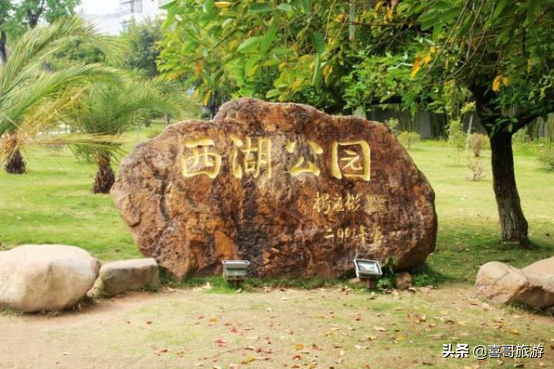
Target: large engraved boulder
[{"x": 295, "y": 191}]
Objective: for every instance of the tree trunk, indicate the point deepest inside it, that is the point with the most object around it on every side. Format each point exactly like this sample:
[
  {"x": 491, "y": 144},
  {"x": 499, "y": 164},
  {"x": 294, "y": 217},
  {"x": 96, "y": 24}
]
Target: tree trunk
[
  {"x": 512, "y": 221},
  {"x": 16, "y": 163},
  {"x": 105, "y": 177},
  {"x": 3, "y": 51}
]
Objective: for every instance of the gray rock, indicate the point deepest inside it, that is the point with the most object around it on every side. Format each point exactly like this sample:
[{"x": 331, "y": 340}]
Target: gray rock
[
  {"x": 126, "y": 275},
  {"x": 45, "y": 277},
  {"x": 403, "y": 281},
  {"x": 503, "y": 284}
]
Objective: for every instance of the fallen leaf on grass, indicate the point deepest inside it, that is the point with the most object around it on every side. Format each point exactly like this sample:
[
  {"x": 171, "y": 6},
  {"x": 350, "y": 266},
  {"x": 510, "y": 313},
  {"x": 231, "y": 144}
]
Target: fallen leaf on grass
[
  {"x": 248, "y": 359},
  {"x": 221, "y": 343}
]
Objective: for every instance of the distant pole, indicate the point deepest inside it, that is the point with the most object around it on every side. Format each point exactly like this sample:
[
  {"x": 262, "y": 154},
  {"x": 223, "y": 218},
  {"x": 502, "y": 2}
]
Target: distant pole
[
  {"x": 469, "y": 130},
  {"x": 352, "y": 18}
]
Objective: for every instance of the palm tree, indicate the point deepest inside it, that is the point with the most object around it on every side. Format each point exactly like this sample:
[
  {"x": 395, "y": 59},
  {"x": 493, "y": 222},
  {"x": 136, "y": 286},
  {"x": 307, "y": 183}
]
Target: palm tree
[
  {"x": 108, "y": 109},
  {"x": 30, "y": 96}
]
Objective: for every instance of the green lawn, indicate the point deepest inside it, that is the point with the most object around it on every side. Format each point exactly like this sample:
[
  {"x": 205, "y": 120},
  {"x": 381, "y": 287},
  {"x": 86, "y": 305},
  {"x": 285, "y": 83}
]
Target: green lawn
[{"x": 53, "y": 204}]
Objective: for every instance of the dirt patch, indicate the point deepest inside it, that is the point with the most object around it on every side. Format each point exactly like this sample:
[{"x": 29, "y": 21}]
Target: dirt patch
[{"x": 329, "y": 328}]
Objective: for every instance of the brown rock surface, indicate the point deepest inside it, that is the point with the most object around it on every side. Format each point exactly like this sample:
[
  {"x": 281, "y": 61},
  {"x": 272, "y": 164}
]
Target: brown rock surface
[
  {"x": 295, "y": 191},
  {"x": 403, "y": 281},
  {"x": 503, "y": 284}
]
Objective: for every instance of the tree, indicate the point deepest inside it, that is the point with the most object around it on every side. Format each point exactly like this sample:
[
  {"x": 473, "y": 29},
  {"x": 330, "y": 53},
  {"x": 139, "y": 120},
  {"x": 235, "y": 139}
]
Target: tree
[
  {"x": 500, "y": 52},
  {"x": 16, "y": 17},
  {"x": 32, "y": 98},
  {"x": 366, "y": 52},
  {"x": 5, "y": 11},
  {"x": 267, "y": 50},
  {"x": 108, "y": 110},
  {"x": 143, "y": 47},
  {"x": 503, "y": 52}
]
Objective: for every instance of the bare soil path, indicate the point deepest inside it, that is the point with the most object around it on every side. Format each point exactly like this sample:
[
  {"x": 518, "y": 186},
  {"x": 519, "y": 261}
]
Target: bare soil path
[{"x": 329, "y": 328}]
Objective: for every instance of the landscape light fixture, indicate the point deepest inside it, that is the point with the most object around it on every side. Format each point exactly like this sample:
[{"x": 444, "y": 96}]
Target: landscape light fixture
[
  {"x": 235, "y": 270},
  {"x": 368, "y": 269}
]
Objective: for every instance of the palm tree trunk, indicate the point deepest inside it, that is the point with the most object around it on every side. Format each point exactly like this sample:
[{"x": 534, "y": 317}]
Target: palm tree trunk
[
  {"x": 15, "y": 163},
  {"x": 105, "y": 177},
  {"x": 3, "y": 51}
]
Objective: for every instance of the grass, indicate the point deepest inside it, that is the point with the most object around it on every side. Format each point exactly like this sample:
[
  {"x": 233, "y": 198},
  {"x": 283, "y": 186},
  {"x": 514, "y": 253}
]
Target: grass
[
  {"x": 53, "y": 204},
  {"x": 320, "y": 324}
]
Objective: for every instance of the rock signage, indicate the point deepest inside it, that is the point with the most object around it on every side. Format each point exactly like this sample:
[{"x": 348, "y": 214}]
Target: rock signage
[{"x": 285, "y": 186}]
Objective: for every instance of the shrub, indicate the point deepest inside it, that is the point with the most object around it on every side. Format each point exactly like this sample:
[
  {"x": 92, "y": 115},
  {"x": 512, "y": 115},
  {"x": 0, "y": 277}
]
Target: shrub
[
  {"x": 546, "y": 156},
  {"x": 478, "y": 142},
  {"x": 477, "y": 170},
  {"x": 521, "y": 136},
  {"x": 456, "y": 137},
  {"x": 409, "y": 139},
  {"x": 393, "y": 125}
]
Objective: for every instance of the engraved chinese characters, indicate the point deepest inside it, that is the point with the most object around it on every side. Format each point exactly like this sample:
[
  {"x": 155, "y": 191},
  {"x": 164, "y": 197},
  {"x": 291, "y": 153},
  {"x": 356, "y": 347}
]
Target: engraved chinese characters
[
  {"x": 198, "y": 160},
  {"x": 294, "y": 191}
]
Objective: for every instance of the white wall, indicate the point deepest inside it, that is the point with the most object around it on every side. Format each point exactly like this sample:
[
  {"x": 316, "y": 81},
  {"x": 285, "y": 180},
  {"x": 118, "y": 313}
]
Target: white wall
[{"x": 150, "y": 9}]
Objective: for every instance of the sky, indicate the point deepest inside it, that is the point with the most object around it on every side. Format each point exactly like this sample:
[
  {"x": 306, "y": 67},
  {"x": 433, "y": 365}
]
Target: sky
[{"x": 98, "y": 7}]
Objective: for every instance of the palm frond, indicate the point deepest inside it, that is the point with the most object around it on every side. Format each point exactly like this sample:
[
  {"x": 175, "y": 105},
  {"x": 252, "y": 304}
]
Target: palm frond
[{"x": 18, "y": 101}]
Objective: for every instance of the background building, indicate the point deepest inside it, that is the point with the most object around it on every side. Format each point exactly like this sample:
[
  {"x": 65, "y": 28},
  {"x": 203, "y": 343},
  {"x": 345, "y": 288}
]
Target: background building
[
  {"x": 140, "y": 9},
  {"x": 112, "y": 20}
]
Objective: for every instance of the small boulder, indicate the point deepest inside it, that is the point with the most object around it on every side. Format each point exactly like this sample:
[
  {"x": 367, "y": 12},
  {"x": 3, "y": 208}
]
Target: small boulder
[
  {"x": 127, "y": 275},
  {"x": 503, "y": 284},
  {"x": 499, "y": 283},
  {"x": 45, "y": 277},
  {"x": 403, "y": 281},
  {"x": 544, "y": 267}
]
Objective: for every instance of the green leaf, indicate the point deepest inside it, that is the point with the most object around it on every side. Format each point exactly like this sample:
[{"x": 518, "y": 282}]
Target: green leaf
[
  {"x": 319, "y": 42},
  {"x": 317, "y": 70},
  {"x": 208, "y": 6},
  {"x": 227, "y": 23},
  {"x": 307, "y": 5},
  {"x": 259, "y": 8},
  {"x": 268, "y": 39},
  {"x": 250, "y": 65},
  {"x": 285, "y": 7},
  {"x": 449, "y": 15},
  {"x": 499, "y": 7},
  {"x": 437, "y": 32},
  {"x": 169, "y": 5},
  {"x": 273, "y": 93},
  {"x": 427, "y": 20},
  {"x": 532, "y": 11},
  {"x": 272, "y": 62},
  {"x": 250, "y": 44}
]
